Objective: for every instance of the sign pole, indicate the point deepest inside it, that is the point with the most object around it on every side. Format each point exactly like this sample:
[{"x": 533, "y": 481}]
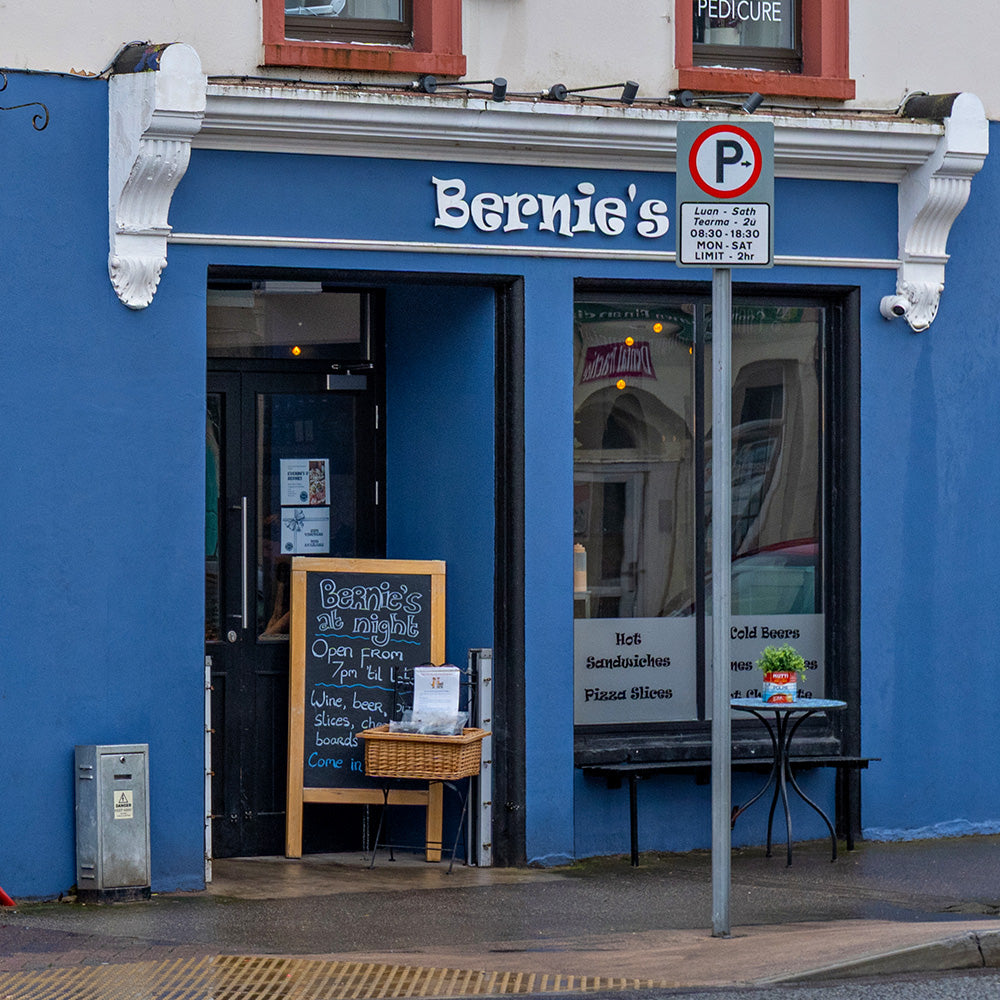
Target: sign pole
[
  {"x": 725, "y": 213},
  {"x": 722, "y": 328}
]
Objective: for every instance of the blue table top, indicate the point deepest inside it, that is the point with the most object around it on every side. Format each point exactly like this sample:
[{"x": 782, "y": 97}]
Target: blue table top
[{"x": 802, "y": 705}]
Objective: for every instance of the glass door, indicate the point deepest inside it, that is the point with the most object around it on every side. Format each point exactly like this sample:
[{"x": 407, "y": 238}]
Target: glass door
[{"x": 292, "y": 465}]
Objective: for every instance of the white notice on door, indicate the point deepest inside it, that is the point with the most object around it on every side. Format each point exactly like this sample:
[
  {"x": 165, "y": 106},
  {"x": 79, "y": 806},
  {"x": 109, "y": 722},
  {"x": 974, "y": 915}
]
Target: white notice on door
[
  {"x": 305, "y": 531},
  {"x": 123, "y": 803},
  {"x": 305, "y": 481}
]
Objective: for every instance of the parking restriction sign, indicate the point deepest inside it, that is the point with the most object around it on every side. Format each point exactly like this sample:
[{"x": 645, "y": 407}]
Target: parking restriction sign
[
  {"x": 725, "y": 202},
  {"x": 725, "y": 194}
]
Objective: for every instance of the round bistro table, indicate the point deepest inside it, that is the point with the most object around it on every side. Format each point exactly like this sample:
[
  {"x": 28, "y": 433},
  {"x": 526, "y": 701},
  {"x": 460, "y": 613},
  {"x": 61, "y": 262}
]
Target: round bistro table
[{"x": 788, "y": 716}]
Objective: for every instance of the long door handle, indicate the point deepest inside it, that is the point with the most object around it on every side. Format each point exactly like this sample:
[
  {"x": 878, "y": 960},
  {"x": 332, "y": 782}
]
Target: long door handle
[{"x": 244, "y": 567}]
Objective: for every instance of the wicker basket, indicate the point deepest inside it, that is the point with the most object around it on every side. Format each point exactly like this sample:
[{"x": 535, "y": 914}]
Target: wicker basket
[{"x": 431, "y": 758}]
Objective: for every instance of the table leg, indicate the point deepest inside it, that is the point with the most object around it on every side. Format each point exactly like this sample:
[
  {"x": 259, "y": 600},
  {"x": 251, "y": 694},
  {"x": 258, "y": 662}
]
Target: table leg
[
  {"x": 779, "y": 771},
  {"x": 461, "y": 819},
  {"x": 782, "y": 733},
  {"x": 435, "y": 814},
  {"x": 826, "y": 819},
  {"x": 772, "y": 778},
  {"x": 381, "y": 822}
]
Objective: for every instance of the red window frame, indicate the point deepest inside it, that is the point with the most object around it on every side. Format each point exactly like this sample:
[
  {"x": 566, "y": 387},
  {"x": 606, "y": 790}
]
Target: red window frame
[
  {"x": 436, "y": 48},
  {"x": 825, "y": 58}
]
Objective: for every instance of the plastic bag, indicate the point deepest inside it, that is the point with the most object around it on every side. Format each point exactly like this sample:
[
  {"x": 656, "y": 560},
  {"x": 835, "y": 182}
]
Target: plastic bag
[{"x": 430, "y": 725}]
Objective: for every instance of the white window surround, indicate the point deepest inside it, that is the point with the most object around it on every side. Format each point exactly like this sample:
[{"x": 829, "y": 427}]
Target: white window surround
[{"x": 932, "y": 162}]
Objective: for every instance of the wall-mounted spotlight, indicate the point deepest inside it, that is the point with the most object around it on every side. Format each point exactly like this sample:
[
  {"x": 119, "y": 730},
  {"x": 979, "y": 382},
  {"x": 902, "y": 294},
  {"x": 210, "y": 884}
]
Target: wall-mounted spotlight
[
  {"x": 748, "y": 103},
  {"x": 559, "y": 91},
  {"x": 430, "y": 85}
]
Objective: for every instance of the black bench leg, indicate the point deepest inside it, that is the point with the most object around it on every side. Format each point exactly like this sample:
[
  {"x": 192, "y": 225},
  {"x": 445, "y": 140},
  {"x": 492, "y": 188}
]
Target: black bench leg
[
  {"x": 846, "y": 787},
  {"x": 633, "y": 820}
]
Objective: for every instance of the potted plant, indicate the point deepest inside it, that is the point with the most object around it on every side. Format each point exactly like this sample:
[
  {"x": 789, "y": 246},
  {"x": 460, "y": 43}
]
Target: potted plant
[{"x": 782, "y": 667}]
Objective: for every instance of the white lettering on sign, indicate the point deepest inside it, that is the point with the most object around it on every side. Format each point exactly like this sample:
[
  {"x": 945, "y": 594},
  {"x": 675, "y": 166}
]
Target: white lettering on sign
[
  {"x": 725, "y": 235},
  {"x": 742, "y": 10},
  {"x": 565, "y": 214}
]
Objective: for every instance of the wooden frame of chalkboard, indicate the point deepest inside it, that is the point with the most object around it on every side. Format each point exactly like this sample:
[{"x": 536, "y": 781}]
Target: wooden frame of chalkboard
[{"x": 355, "y": 622}]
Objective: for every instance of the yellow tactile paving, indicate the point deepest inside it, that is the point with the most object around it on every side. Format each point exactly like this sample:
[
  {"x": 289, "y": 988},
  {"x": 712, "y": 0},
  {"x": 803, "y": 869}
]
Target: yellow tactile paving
[{"x": 235, "y": 977}]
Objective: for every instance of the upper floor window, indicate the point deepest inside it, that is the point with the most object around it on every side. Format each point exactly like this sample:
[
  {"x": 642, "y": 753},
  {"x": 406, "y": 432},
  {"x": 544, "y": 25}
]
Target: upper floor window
[
  {"x": 794, "y": 48},
  {"x": 389, "y": 36},
  {"x": 388, "y": 21},
  {"x": 747, "y": 33}
]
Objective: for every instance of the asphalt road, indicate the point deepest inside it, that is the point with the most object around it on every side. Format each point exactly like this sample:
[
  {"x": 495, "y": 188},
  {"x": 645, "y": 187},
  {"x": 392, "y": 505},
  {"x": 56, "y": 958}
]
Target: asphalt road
[{"x": 983, "y": 985}]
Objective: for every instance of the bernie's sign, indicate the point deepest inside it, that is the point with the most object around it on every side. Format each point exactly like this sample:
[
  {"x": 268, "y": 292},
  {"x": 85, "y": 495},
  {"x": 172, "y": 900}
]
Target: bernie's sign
[{"x": 565, "y": 213}]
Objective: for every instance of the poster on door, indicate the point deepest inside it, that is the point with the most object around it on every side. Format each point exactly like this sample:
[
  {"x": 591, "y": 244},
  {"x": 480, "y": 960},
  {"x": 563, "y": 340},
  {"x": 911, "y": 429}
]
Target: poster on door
[
  {"x": 305, "y": 531},
  {"x": 305, "y": 510},
  {"x": 305, "y": 482}
]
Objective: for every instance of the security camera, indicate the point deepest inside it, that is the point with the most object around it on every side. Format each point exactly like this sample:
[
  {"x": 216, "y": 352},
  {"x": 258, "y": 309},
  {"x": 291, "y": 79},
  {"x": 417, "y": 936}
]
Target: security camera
[{"x": 894, "y": 306}]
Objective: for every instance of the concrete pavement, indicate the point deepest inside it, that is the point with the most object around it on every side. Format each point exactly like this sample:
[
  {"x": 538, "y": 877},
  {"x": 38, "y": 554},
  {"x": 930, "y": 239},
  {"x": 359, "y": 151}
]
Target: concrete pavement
[{"x": 923, "y": 905}]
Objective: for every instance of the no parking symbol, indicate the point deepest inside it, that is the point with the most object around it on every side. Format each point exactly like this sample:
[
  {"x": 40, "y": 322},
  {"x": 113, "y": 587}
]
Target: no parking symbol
[{"x": 725, "y": 161}]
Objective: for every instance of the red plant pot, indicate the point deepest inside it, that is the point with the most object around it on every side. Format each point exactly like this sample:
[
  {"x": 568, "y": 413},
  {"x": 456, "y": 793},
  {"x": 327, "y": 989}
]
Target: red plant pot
[{"x": 780, "y": 686}]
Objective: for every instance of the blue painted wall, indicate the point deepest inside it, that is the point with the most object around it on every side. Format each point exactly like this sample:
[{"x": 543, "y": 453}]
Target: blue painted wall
[
  {"x": 931, "y": 545},
  {"x": 439, "y": 442},
  {"x": 101, "y": 502},
  {"x": 102, "y": 478}
]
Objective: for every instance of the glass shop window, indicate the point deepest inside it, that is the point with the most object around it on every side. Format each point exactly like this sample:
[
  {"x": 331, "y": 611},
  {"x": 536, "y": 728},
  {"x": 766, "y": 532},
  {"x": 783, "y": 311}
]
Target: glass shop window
[
  {"x": 754, "y": 34},
  {"x": 642, "y": 516},
  {"x": 367, "y": 21},
  {"x": 289, "y": 320}
]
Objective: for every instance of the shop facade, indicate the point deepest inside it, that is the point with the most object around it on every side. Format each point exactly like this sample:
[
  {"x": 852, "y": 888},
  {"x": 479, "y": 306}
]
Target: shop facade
[{"x": 470, "y": 316}]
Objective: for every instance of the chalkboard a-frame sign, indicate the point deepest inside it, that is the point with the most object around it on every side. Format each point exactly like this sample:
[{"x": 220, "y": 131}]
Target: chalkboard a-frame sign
[{"x": 355, "y": 622}]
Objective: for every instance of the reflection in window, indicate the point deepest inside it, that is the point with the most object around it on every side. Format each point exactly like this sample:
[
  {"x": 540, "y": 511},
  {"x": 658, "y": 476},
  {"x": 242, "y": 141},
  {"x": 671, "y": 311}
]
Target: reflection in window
[
  {"x": 380, "y": 10},
  {"x": 385, "y": 21},
  {"x": 636, "y": 480},
  {"x": 213, "y": 520},
  {"x": 761, "y": 34},
  {"x": 633, "y": 492},
  {"x": 283, "y": 319},
  {"x": 316, "y": 430},
  {"x": 777, "y": 460}
]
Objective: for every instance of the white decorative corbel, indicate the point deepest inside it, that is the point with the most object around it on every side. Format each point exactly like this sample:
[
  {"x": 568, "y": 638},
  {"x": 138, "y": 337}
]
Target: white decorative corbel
[
  {"x": 930, "y": 199},
  {"x": 156, "y": 105}
]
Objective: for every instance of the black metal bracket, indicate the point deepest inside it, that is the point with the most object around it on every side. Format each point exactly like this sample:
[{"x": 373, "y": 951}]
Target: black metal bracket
[{"x": 39, "y": 120}]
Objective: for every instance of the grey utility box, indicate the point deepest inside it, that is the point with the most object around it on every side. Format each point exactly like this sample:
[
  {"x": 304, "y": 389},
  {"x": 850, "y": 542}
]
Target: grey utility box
[{"x": 112, "y": 822}]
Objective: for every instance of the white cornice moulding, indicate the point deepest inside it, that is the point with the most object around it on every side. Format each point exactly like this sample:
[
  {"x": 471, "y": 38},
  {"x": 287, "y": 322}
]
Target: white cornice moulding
[
  {"x": 931, "y": 162},
  {"x": 262, "y": 117},
  {"x": 153, "y": 115}
]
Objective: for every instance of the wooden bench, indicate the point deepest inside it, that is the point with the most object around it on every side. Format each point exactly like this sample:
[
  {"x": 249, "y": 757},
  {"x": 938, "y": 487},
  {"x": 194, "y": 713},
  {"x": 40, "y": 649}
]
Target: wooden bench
[{"x": 614, "y": 773}]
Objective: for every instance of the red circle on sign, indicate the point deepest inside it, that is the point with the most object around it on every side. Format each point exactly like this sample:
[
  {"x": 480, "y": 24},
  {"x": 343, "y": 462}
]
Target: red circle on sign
[{"x": 721, "y": 192}]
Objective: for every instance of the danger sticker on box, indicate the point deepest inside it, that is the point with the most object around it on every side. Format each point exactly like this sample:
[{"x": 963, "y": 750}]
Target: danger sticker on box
[{"x": 123, "y": 804}]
